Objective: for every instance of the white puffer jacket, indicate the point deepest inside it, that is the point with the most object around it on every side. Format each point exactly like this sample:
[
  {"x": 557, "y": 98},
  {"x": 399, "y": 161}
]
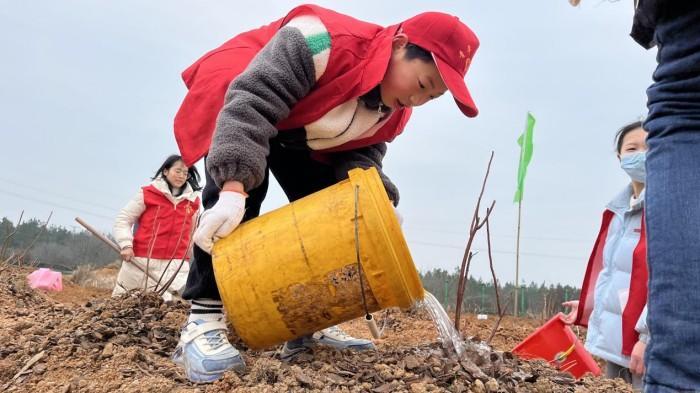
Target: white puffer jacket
[
  {"x": 604, "y": 337},
  {"x": 131, "y": 277}
]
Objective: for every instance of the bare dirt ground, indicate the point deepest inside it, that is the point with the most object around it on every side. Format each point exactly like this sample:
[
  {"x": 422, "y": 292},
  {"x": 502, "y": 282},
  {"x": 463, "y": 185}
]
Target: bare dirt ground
[{"x": 80, "y": 340}]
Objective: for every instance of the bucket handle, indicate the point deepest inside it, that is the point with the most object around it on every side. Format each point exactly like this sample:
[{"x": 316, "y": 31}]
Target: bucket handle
[
  {"x": 372, "y": 325},
  {"x": 357, "y": 251},
  {"x": 369, "y": 319},
  {"x": 560, "y": 357}
]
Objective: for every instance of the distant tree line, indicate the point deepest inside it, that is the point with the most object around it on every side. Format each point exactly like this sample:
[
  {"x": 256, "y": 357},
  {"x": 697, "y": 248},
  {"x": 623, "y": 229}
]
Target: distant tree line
[
  {"x": 536, "y": 300},
  {"x": 56, "y": 247}
]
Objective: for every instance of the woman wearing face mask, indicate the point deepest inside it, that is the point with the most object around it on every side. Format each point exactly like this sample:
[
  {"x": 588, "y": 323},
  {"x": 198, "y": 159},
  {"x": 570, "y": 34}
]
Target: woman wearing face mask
[{"x": 613, "y": 295}]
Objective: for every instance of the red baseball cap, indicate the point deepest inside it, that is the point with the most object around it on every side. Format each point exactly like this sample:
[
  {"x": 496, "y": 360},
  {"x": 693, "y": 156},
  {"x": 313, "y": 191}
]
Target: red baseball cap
[{"x": 452, "y": 45}]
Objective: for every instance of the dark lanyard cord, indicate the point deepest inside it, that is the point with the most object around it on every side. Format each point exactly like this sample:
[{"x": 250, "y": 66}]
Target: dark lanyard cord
[{"x": 357, "y": 248}]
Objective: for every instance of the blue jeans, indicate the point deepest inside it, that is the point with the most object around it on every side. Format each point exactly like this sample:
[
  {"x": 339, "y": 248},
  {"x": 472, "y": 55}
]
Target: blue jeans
[{"x": 673, "y": 205}]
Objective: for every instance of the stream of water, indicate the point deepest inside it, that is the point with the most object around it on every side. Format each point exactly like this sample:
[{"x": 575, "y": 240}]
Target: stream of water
[{"x": 449, "y": 337}]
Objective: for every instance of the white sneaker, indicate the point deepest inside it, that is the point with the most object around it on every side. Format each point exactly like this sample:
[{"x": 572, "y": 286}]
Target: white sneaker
[
  {"x": 332, "y": 336},
  {"x": 205, "y": 353},
  {"x": 337, "y": 338}
]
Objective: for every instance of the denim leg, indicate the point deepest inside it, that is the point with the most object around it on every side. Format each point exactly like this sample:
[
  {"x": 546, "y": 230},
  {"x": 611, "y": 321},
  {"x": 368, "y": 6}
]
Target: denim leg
[
  {"x": 673, "y": 223},
  {"x": 673, "y": 206}
]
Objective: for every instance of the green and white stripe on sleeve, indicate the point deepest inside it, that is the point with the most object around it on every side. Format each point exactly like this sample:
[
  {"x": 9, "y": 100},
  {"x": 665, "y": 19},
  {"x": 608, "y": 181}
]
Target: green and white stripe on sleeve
[{"x": 317, "y": 38}]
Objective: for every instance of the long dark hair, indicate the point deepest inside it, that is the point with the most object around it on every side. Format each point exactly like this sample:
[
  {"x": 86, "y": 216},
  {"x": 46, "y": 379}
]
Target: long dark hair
[
  {"x": 192, "y": 172},
  {"x": 622, "y": 132}
]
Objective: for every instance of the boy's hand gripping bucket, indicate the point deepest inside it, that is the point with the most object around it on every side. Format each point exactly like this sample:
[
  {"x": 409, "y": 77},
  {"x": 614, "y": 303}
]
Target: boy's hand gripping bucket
[{"x": 293, "y": 271}]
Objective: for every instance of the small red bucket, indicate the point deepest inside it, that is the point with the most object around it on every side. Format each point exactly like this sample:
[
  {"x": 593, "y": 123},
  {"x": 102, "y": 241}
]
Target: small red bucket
[{"x": 557, "y": 344}]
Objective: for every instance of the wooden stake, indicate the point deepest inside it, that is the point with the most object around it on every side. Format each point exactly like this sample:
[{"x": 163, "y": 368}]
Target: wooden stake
[{"x": 116, "y": 249}]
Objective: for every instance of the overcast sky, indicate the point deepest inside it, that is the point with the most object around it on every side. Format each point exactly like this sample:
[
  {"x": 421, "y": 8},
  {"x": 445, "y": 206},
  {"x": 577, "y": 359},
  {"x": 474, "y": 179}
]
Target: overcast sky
[{"x": 89, "y": 89}]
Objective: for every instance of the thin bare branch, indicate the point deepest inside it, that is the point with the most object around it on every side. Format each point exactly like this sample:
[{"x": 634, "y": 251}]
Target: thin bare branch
[
  {"x": 5, "y": 264},
  {"x": 6, "y": 242},
  {"x": 154, "y": 236},
  {"x": 473, "y": 228},
  {"x": 166, "y": 285},
  {"x": 26, "y": 367},
  {"x": 488, "y": 212},
  {"x": 6, "y": 261},
  {"x": 113, "y": 246},
  {"x": 500, "y": 318},
  {"x": 466, "y": 270},
  {"x": 31, "y": 244},
  {"x": 177, "y": 244},
  {"x": 493, "y": 271}
]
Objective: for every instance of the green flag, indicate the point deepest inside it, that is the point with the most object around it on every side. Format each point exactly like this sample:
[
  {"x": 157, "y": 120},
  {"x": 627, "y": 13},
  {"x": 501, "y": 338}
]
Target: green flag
[{"x": 525, "y": 142}]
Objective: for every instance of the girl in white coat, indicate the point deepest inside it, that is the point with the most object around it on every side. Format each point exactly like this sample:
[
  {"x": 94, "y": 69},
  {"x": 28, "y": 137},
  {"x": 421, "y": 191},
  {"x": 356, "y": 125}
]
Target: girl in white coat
[{"x": 154, "y": 229}]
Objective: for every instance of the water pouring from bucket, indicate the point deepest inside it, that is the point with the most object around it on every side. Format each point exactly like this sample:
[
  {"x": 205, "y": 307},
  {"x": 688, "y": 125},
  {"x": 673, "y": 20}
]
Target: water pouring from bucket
[{"x": 449, "y": 336}]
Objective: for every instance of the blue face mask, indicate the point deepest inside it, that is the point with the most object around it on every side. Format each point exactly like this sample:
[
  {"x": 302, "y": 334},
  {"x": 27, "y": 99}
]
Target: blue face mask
[{"x": 635, "y": 165}]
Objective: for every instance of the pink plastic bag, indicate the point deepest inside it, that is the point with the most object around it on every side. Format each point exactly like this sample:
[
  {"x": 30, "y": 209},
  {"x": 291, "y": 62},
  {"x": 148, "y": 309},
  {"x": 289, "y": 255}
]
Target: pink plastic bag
[{"x": 47, "y": 279}]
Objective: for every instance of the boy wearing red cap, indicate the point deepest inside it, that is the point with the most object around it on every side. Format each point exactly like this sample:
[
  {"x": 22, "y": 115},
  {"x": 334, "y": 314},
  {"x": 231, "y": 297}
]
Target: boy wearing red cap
[{"x": 308, "y": 98}]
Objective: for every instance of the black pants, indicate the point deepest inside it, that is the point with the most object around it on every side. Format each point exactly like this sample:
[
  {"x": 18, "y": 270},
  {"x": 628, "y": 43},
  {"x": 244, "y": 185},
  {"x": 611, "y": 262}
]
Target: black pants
[{"x": 297, "y": 174}]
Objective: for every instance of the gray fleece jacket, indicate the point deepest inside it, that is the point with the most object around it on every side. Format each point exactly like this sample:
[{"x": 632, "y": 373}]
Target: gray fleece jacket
[{"x": 281, "y": 74}]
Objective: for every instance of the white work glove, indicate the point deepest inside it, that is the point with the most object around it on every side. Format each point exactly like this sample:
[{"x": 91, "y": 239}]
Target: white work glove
[
  {"x": 398, "y": 216},
  {"x": 220, "y": 220}
]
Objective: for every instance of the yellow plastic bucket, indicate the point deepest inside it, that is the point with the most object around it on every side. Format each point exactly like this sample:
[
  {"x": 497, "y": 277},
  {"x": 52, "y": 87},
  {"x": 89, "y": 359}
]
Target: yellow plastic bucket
[{"x": 293, "y": 271}]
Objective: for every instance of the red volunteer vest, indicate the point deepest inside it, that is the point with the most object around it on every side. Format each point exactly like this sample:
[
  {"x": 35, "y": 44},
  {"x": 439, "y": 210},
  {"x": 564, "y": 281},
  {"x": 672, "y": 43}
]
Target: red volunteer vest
[
  {"x": 360, "y": 53},
  {"x": 637, "y": 298},
  {"x": 171, "y": 225}
]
